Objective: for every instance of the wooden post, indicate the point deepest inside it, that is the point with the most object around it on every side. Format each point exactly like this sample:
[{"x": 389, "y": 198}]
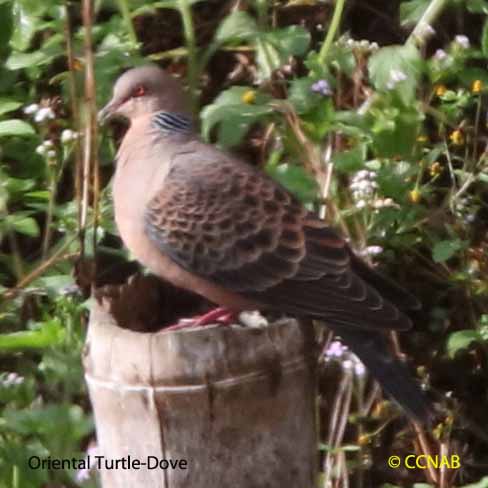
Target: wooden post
[{"x": 228, "y": 406}]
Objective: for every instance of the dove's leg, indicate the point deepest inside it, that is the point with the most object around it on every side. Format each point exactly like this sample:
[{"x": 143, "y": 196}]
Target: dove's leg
[{"x": 220, "y": 315}]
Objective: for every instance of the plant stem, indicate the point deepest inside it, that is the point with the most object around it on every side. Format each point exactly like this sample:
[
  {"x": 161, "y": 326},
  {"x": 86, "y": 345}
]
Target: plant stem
[
  {"x": 59, "y": 255},
  {"x": 75, "y": 116},
  {"x": 419, "y": 34},
  {"x": 189, "y": 32},
  {"x": 125, "y": 12},
  {"x": 90, "y": 158},
  {"x": 262, "y": 8},
  {"x": 331, "y": 33},
  {"x": 50, "y": 210}
]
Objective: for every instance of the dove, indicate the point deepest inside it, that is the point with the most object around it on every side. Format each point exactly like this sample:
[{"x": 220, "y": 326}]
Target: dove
[{"x": 211, "y": 223}]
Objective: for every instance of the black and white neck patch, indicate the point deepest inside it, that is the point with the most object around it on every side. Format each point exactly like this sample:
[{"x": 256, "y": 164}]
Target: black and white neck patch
[{"x": 172, "y": 123}]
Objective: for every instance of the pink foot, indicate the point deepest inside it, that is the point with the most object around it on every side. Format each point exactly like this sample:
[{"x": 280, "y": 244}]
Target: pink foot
[{"x": 221, "y": 315}]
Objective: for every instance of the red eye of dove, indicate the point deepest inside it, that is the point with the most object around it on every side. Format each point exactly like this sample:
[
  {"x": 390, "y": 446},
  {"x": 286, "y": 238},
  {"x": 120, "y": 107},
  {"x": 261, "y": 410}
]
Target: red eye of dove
[{"x": 139, "y": 91}]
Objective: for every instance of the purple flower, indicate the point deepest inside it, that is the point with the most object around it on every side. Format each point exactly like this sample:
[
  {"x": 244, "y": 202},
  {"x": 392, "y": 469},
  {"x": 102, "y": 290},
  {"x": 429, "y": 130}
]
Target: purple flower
[
  {"x": 322, "y": 87},
  {"x": 440, "y": 55}
]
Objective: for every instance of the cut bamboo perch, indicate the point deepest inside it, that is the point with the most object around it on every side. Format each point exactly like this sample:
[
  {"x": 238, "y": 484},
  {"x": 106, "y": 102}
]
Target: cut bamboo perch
[{"x": 228, "y": 406}]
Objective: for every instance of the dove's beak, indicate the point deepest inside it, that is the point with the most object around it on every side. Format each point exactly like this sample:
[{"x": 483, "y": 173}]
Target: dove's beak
[{"x": 108, "y": 111}]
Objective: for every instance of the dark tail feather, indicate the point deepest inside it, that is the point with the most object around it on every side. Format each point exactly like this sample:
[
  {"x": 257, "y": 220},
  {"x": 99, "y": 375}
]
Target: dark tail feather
[
  {"x": 372, "y": 348},
  {"x": 386, "y": 287}
]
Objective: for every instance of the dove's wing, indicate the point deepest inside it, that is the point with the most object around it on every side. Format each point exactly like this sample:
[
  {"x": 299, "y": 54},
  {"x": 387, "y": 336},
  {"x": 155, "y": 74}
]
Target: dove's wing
[{"x": 229, "y": 223}]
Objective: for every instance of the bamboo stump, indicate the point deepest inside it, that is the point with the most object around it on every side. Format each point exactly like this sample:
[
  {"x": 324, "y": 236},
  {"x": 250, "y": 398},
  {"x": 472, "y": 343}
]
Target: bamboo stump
[{"x": 227, "y": 406}]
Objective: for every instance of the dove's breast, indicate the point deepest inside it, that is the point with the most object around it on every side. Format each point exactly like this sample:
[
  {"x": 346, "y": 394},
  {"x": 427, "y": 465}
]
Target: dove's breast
[{"x": 140, "y": 174}]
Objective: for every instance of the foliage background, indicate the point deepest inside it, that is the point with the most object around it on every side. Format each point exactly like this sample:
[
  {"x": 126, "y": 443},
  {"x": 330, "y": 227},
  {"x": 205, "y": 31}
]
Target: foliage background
[{"x": 372, "y": 112}]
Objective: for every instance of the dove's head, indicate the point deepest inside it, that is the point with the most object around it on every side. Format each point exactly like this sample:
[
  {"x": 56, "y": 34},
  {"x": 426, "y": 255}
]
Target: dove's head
[{"x": 144, "y": 91}]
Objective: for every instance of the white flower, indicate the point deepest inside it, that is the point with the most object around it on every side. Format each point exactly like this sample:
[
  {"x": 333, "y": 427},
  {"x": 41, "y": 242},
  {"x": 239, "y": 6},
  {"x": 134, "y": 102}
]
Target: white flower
[
  {"x": 373, "y": 250},
  {"x": 68, "y": 135},
  {"x": 382, "y": 203},
  {"x": 83, "y": 475},
  {"x": 440, "y": 55},
  {"x": 41, "y": 150},
  {"x": 12, "y": 379},
  {"x": 44, "y": 113},
  {"x": 347, "y": 364},
  {"x": 51, "y": 154},
  {"x": 45, "y": 149},
  {"x": 359, "y": 368},
  {"x": 361, "y": 175},
  {"x": 426, "y": 29},
  {"x": 335, "y": 350},
  {"x": 396, "y": 76},
  {"x": 363, "y": 186},
  {"x": 32, "y": 108},
  {"x": 462, "y": 41},
  {"x": 374, "y": 46},
  {"x": 360, "y": 204}
]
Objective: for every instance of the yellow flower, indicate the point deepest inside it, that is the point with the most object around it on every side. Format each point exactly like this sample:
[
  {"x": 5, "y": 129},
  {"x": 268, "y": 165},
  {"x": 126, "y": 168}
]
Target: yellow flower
[
  {"x": 457, "y": 137},
  {"x": 422, "y": 138},
  {"x": 435, "y": 169},
  {"x": 249, "y": 97},
  {"x": 364, "y": 440},
  {"x": 77, "y": 64},
  {"x": 414, "y": 196},
  {"x": 477, "y": 86},
  {"x": 440, "y": 90}
]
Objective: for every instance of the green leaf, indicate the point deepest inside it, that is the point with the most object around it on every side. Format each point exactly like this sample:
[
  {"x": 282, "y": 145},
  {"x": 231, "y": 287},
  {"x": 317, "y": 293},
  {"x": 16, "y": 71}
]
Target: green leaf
[
  {"x": 18, "y": 60},
  {"x": 24, "y": 225},
  {"x": 15, "y": 127},
  {"x": 48, "y": 334},
  {"x": 482, "y": 483},
  {"x": 445, "y": 250},
  {"x": 468, "y": 75},
  {"x": 232, "y": 115},
  {"x": 7, "y": 28},
  {"x": 290, "y": 41},
  {"x": 301, "y": 96},
  {"x": 47, "y": 421},
  {"x": 238, "y": 26},
  {"x": 394, "y": 130},
  {"x": 318, "y": 121},
  {"x": 296, "y": 179},
  {"x": 8, "y": 105},
  {"x": 27, "y": 16},
  {"x": 18, "y": 185},
  {"x": 53, "y": 284},
  {"x": 275, "y": 48},
  {"x": 343, "y": 59},
  {"x": 388, "y": 61},
  {"x": 477, "y": 6},
  {"x": 484, "y": 38},
  {"x": 351, "y": 159},
  {"x": 411, "y": 12},
  {"x": 461, "y": 340}
]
